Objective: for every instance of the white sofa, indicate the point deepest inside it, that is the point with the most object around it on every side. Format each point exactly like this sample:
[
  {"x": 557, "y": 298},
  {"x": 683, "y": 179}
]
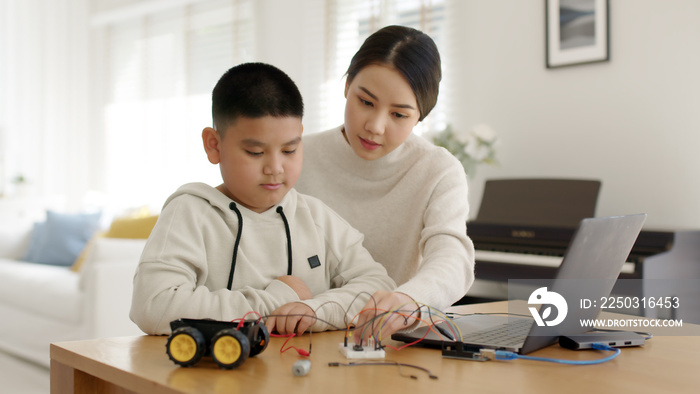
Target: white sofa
[{"x": 41, "y": 304}]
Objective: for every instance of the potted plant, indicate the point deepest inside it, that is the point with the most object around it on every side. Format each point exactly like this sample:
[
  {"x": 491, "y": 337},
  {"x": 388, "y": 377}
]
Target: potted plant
[{"x": 471, "y": 147}]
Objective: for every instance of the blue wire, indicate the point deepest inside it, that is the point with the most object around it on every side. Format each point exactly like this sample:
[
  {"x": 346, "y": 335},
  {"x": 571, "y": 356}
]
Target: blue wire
[{"x": 505, "y": 355}]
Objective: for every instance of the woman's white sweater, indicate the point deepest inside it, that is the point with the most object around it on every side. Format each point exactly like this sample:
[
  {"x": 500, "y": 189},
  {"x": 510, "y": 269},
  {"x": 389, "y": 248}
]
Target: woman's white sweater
[{"x": 411, "y": 206}]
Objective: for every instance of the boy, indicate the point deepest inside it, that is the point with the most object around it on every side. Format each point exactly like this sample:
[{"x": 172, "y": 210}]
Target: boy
[{"x": 253, "y": 243}]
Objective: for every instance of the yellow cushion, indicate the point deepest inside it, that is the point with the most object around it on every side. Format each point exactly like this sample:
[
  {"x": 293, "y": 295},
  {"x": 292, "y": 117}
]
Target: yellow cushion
[
  {"x": 78, "y": 263},
  {"x": 128, "y": 227},
  {"x": 135, "y": 228}
]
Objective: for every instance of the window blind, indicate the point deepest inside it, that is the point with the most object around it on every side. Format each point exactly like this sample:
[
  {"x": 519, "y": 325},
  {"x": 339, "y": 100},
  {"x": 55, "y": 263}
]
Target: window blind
[
  {"x": 158, "y": 69},
  {"x": 350, "y": 22}
]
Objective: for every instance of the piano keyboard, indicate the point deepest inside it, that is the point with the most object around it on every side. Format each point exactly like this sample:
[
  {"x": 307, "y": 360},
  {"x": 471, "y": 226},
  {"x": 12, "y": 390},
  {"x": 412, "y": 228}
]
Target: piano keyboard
[{"x": 530, "y": 259}]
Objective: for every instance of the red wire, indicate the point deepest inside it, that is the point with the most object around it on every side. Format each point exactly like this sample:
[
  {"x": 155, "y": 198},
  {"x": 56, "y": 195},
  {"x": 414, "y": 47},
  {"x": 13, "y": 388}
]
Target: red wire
[
  {"x": 301, "y": 352},
  {"x": 429, "y": 325},
  {"x": 242, "y": 320},
  {"x": 409, "y": 344}
]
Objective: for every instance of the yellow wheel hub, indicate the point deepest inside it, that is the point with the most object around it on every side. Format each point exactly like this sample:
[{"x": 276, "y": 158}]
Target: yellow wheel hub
[
  {"x": 183, "y": 348},
  {"x": 227, "y": 350}
]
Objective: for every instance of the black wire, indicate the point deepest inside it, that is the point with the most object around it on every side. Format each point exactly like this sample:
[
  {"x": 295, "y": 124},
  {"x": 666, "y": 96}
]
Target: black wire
[
  {"x": 305, "y": 315},
  {"x": 346, "y": 310},
  {"x": 372, "y": 320},
  {"x": 441, "y": 330},
  {"x": 454, "y": 314},
  {"x": 387, "y": 363},
  {"x": 380, "y": 315}
]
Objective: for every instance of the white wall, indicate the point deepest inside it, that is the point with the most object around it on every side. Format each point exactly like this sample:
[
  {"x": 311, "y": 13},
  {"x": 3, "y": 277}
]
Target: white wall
[
  {"x": 633, "y": 122},
  {"x": 290, "y": 35}
]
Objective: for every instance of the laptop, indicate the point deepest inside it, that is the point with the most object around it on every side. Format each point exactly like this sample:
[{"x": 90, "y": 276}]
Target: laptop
[{"x": 591, "y": 265}]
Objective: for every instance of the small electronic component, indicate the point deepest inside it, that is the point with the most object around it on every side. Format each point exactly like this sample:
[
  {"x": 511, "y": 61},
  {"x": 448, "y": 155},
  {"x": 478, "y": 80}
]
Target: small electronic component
[
  {"x": 462, "y": 351},
  {"x": 361, "y": 353},
  {"x": 301, "y": 367}
]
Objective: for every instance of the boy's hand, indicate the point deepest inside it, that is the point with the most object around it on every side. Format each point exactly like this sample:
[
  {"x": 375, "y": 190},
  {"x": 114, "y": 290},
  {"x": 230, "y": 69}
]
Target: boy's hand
[
  {"x": 297, "y": 285},
  {"x": 294, "y": 317},
  {"x": 381, "y": 302}
]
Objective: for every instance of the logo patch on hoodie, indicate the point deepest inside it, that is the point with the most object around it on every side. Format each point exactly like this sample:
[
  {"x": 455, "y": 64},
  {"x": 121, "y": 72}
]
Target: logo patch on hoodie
[{"x": 314, "y": 261}]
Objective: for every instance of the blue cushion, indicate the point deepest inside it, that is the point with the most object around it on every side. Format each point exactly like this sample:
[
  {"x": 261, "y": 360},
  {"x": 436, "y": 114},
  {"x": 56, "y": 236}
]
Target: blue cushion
[
  {"x": 60, "y": 239},
  {"x": 35, "y": 241}
]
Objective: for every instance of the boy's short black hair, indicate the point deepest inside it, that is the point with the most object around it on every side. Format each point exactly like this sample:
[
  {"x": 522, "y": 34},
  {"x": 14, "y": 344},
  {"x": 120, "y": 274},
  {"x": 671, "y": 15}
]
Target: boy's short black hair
[{"x": 254, "y": 90}]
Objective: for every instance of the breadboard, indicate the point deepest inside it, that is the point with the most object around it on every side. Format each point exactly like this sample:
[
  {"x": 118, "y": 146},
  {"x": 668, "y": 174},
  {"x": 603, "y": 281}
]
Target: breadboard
[{"x": 366, "y": 353}]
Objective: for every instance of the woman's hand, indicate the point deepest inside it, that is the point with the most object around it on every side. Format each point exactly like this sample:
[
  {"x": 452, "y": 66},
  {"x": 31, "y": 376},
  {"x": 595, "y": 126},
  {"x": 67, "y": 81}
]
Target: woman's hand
[{"x": 374, "y": 322}]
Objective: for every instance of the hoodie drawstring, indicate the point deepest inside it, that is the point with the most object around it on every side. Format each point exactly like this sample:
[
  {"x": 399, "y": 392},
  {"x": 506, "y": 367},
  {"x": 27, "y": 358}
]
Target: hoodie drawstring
[
  {"x": 232, "y": 206},
  {"x": 289, "y": 240}
]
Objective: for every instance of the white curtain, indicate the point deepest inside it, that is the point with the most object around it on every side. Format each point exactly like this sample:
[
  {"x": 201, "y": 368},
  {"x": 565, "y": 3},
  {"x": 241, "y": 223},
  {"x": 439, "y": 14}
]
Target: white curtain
[
  {"x": 158, "y": 62},
  {"x": 100, "y": 95},
  {"x": 44, "y": 133}
]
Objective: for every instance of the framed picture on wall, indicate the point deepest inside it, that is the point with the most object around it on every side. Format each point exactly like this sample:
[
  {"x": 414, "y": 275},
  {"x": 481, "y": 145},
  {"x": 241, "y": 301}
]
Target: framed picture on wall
[{"x": 577, "y": 32}]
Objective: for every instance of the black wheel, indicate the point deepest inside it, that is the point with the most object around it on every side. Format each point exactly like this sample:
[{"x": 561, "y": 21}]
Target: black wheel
[
  {"x": 185, "y": 346},
  {"x": 259, "y": 339},
  {"x": 230, "y": 348}
]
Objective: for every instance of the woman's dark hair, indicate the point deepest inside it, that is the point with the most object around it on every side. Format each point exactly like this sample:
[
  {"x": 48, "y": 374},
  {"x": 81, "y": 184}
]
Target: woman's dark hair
[{"x": 410, "y": 51}]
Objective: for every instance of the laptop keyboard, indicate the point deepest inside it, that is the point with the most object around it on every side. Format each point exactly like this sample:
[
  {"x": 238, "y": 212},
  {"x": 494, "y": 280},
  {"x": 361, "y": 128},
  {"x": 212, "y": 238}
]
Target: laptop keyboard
[{"x": 508, "y": 334}]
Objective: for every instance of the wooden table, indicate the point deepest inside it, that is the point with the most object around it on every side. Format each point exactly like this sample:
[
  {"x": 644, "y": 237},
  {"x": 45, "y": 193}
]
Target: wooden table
[{"x": 140, "y": 365}]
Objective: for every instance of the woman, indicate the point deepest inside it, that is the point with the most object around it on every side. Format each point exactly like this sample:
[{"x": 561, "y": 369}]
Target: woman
[{"x": 406, "y": 195}]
